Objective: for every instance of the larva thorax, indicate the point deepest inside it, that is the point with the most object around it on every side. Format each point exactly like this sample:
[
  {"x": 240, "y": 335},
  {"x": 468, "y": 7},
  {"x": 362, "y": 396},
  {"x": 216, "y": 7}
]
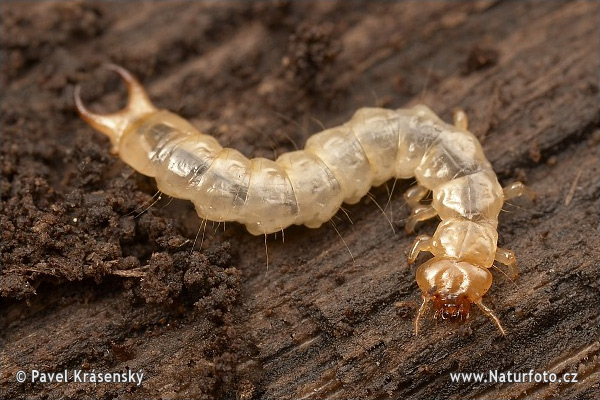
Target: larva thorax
[{"x": 337, "y": 165}]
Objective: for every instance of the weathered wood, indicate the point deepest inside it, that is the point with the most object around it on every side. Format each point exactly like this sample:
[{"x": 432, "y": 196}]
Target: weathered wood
[{"x": 319, "y": 322}]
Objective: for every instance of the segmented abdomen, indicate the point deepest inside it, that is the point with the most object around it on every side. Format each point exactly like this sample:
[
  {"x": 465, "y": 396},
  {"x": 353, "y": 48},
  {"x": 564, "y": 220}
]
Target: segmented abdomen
[{"x": 308, "y": 186}]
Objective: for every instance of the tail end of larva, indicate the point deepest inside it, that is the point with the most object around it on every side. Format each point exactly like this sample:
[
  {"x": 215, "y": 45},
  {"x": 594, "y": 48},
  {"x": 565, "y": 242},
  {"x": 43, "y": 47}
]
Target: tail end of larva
[{"x": 114, "y": 125}]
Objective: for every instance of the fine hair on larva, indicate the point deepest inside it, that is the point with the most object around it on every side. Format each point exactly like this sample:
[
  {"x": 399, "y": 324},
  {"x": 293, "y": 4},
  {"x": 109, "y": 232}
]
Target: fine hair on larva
[{"x": 338, "y": 165}]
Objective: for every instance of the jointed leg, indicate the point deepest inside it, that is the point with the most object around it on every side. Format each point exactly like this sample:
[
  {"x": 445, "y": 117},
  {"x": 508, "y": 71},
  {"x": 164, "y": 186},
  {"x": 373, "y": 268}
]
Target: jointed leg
[
  {"x": 415, "y": 194},
  {"x": 507, "y": 257},
  {"x": 517, "y": 189},
  {"x": 421, "y": 243},
  {"x": 419, "y": 213}
]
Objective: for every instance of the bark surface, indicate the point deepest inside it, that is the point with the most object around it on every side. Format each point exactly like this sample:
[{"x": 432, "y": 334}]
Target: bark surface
[{"x": 97, "y": 274}]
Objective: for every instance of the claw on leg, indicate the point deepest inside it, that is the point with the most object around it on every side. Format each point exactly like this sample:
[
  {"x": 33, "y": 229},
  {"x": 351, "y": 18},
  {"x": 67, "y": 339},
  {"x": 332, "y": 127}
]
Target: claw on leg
[
  {"x": 114, "y": 125},
  {"x": 421, "y": 243},
  {"x": 507, "y": 257},
  {"x": 517, "y": 189},
  {"x": 460, "y": 119},
  {"x": 419, "y": 213},
  {"x": 491, "y": 315}
]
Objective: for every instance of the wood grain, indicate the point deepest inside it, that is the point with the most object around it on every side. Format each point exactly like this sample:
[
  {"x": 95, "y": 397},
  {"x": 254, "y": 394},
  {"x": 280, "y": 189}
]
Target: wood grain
[{"x": 331, "y": 316}]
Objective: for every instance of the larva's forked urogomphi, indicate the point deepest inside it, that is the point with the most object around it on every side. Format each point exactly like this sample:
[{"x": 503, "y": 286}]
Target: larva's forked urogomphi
[{"x": 337, "y": 165}]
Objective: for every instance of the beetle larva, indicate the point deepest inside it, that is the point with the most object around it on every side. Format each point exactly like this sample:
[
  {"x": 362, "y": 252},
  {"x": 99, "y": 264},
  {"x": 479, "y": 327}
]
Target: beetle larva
[{"x": 337, "y": 165}]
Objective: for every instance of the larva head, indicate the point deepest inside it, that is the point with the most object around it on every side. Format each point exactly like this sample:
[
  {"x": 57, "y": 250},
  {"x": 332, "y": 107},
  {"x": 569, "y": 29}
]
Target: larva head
[
  {"x": 452, "y": 286},
  {"x": 114, "y": 125}
]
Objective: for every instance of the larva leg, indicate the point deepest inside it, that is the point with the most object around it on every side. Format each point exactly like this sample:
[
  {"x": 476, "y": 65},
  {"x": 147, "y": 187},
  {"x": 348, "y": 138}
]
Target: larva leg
[
  {"x": 517, "y": 189},
  {"x": 420, "y": 313},
  {"x": 460, "y": 119},
  {"x": 421, "y": 243},
  {"x": 507, "y": 257},
  {"x": 414, "y": 195},
  {"x": 491, "y": 315},
  {"x": 419, "y": 213}
]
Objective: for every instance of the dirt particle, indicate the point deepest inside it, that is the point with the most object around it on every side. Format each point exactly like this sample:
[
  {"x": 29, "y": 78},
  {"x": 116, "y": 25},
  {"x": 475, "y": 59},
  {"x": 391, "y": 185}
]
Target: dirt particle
[
  {"x": 245, "y": 390},
  {"x": 480, "y": 58},
  {"x": 534, "y": 152},
  {"x": 424, "y": 369},
  {"x": 405, "y": 309},
  {"x": 123, "y": 352},
  {"x": 309, "y": 62}
]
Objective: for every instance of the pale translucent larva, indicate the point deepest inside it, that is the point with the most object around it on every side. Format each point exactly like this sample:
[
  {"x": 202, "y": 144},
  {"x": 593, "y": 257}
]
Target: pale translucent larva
[{"x": 340, "y": 164}]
